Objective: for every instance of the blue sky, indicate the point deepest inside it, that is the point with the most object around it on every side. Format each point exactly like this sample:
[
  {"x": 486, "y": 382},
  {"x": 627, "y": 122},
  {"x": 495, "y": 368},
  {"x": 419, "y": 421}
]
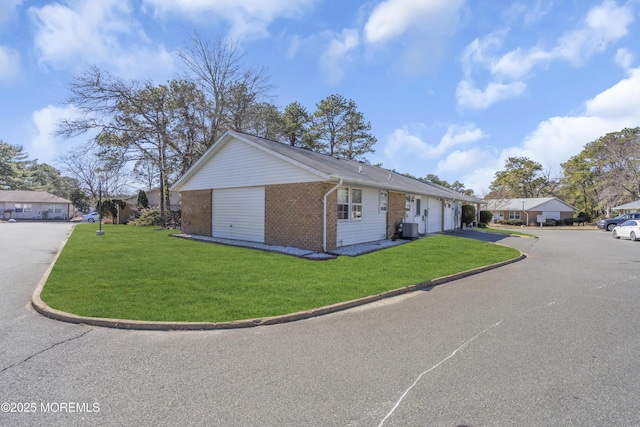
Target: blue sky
[{"x": 451, "y": 87}]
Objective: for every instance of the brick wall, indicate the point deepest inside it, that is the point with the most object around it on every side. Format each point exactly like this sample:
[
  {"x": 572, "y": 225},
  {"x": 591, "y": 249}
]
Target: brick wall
[
  {"x": 294, "y": 215},
  {"x": 396, "y": 212},
  {"x": 196, "y": 212}
]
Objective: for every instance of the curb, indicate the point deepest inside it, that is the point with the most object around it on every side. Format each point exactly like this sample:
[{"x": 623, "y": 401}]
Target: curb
[{"x": 42, "y": 308}]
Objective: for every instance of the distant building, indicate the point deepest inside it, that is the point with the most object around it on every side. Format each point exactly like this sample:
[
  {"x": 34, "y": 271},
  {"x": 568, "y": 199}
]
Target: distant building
[{"x": 35, "y": 205}]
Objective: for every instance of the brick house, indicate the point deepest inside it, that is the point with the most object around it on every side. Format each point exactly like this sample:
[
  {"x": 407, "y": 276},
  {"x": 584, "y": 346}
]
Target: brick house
[
  {"x": 529, "y": 210},
  {"x": 253, "y": 189}
]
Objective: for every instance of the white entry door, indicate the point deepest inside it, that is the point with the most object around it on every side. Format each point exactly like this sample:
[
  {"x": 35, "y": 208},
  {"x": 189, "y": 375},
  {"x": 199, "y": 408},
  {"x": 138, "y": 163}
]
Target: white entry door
[{"x": 435, "y": 215}]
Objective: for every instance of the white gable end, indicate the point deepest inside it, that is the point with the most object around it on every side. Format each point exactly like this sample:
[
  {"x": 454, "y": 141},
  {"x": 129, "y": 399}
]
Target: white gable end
[
  {"x": 238, "y": 164},
  {"x": 553, "y": 205}
]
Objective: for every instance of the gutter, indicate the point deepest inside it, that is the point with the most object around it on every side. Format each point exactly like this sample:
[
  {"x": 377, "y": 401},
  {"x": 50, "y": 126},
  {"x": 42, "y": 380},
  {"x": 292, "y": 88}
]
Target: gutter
[{"x": 324, "y": 215}]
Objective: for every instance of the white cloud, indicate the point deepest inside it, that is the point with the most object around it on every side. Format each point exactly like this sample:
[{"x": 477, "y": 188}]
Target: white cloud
[
  {"x": 7, "y": 9},
  {"x": 403, "y": 141},
  {"x": 44, "y": 146},
  {"x": 392, "y": 18},
  {"x": 419, "y": 30},
  {"x": 557, "y": 139},
  {"x": 247, "y": 18},
  {"x": 461, "y": 161},
  {"x": 603, "y": 25},
  {"x": 470, "y": 96},
  {"x": 624, "y": 58},
  {"x": 336, "y": 57},
  {"x": 9, "y": 64},
  {"x": 103, "y": 33}
]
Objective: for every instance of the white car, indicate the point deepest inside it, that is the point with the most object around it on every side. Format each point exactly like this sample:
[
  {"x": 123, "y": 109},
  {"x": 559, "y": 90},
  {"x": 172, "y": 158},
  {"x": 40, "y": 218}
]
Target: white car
[
  {"x": 91, "y": 217},
  {"x": 629, "y": 229}
]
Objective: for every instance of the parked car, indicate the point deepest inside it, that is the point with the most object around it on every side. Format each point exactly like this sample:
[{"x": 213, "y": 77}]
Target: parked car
[
  {"x": 90, "y": 217},
  {"x": 608, "y": 223},
  {"x": 629, "y": 230}
]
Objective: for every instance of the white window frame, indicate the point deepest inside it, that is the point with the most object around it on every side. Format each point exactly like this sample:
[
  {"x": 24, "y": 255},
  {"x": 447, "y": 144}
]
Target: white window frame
[
  {"x": 383, "y": 202},
  {"x": 514, "y": 215},
  {"x": 351, "y": 209},
  {"x": 23, "y": 208}
]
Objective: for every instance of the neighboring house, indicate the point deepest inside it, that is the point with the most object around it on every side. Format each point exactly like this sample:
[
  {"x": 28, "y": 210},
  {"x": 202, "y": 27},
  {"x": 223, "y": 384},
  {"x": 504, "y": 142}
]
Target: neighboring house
[
  {"x": 253, "y": 189},
  {"x": 34, "y": 205},
  {"x": 628, "y": 207},
  {"x": 529, "y": 210},
  {"x": 153, "y": 196}
]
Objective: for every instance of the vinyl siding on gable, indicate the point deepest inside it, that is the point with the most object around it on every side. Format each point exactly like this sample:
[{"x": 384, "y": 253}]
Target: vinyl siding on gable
[{"x": 238, "y": 164}]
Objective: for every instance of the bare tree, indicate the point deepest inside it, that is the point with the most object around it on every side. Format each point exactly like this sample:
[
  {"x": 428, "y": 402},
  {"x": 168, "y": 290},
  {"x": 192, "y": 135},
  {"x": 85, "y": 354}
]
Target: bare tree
[
  {"x": 219, "y": 71},
  {"x": 93, "y": 171}
]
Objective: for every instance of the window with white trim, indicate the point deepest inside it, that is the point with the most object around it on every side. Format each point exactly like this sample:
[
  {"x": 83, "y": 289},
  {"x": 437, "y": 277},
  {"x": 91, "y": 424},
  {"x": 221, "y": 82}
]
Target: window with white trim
[
  {"x": 356, "y": 203},
  {"x": 349, "y": 203},
  {"x": 343, "y": 203},
  {"x": 514, "y": 214},
  {"x": 384, "y": 201},
  {"x": 23, "y": 207}
]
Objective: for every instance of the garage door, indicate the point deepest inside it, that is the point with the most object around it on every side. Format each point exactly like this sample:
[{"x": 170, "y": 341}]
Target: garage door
[
  {"x": 238, "y": 214},
  {"x": 435, "y": 215}
]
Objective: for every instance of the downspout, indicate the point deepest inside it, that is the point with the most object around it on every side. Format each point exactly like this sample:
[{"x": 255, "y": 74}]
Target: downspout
[{"x": 324, "y": 215}]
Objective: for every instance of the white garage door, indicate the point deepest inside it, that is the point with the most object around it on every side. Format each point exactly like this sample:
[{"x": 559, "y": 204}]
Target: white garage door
[
  {"x": 435, "y": 216},
  {"x": 238, "y": 213}
]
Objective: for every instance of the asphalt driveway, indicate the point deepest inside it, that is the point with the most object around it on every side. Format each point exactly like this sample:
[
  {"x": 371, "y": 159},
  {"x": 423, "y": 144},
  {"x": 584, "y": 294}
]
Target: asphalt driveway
[{"x": 548, "y": 341}]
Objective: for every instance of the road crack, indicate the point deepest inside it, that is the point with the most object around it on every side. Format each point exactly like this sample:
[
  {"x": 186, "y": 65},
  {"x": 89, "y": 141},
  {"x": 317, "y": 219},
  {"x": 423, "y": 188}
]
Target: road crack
[{"x": 3, "y": 370}]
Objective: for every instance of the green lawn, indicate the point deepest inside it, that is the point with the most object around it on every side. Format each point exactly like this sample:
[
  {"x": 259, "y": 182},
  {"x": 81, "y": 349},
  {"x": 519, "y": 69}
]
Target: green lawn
[
  {"x": 505, "y": 231},
  {"x": 144, "y": 274}
]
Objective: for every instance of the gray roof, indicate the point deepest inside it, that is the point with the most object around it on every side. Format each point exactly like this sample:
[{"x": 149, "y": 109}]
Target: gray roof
[
  {"x": 336, "y": 168},
  {"x": 24, "y": 196},
  {"x": 630, "y": 205},
  {"x": 530, "y": 204}
]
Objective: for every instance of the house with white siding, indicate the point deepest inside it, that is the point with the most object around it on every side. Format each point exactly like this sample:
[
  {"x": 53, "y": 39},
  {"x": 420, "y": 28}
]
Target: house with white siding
[
  {"x": 630, "y": 207},
  {"x": 529, "y": 210},
  {"x": 24, "y": 204},
  {"x": 253, "y": 189}
]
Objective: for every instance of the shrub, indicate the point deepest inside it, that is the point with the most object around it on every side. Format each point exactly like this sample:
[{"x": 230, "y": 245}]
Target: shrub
[
  {"x": 485, "y": 217},
  {"x": 468, "y": 214},
  {"x": 511, "y": 222},
  {"x": 143, "y": 200},
  {"x": 147, "y": 217},
  {"x": 482, "y": 225},
  {"x": 586, "y": 216}
]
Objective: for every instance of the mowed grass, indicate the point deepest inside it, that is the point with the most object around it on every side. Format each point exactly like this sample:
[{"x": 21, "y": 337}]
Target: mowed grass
[
  {"x": 505, "y": 231},
  {"x": 144, "y": 274}
]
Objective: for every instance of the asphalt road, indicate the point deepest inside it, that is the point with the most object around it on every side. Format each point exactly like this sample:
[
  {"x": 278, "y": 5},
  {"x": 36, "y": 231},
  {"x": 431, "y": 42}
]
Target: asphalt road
[{"x": 548, "y": 341}]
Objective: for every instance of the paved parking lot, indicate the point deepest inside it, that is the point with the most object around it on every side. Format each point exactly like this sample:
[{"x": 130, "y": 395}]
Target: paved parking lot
[{"x": 548, "y": 341}]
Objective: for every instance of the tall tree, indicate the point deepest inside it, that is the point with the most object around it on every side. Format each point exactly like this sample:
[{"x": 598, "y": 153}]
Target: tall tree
[
  {"x": 338, "y": 128},
  {"x": 296, "y": 121},
  {"x": 14, "y": 167},
  {"x": 92, "y": 169},
  {"x": 218, "y": 69},
  {"x": 456, "y": 186},
  {"x": 579, "y": 184},
  {"x": 522, "y": 177},
  {"x": 264, "y": 120},
  {"x": 355, "y": 137},
  {"x": 616, "y": 160},
  {"x": 328, "y": 122},
  {"x": 135, "y": 120}
]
